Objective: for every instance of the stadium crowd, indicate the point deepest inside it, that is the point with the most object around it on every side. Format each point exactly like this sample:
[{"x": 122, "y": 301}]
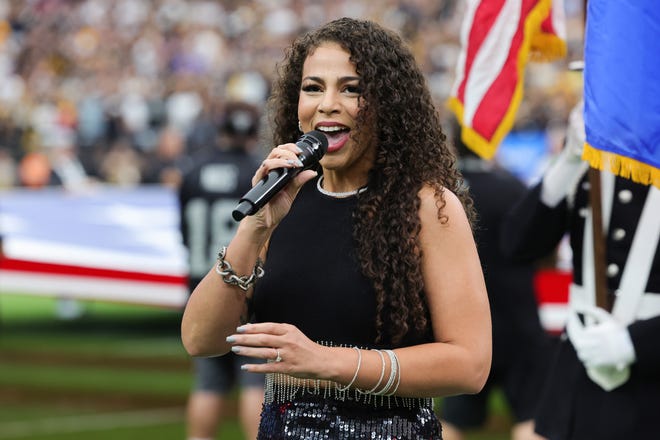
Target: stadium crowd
[{"x": 123, "y": 92}]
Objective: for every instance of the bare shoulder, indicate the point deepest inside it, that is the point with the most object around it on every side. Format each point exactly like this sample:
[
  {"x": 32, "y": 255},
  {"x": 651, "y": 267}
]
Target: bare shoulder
[{"x": 445, "y": 213}]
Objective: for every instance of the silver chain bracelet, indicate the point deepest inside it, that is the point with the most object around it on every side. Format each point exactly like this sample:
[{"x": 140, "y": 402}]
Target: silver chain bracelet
[{"x": 224, "y": 269}]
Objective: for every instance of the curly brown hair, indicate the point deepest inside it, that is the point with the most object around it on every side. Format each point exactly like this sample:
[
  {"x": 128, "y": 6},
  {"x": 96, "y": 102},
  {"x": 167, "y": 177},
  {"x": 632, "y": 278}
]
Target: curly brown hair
[{"x": 412, "y": 151}]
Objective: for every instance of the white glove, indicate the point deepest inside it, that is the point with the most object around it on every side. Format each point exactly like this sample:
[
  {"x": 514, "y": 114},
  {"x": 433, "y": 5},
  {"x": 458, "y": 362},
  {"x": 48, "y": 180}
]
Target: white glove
[
  {"x": 568, "y": 167},
  {"x": 575, "y": 134},
  {"x": 605, "y": 343}
]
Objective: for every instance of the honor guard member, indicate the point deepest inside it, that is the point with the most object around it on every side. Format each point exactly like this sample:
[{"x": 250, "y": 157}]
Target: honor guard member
[{"x": 604, "y": 382}]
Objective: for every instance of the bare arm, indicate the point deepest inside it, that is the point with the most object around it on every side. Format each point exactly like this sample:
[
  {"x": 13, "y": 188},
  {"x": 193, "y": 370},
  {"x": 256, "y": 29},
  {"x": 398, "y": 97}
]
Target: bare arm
[
  {"x": 459, "y": 361},
  {"x": 216, "y": 308}
]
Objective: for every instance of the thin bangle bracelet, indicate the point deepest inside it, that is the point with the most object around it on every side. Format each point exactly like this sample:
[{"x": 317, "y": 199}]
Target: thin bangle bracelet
[
  {"x": 382, "y": 374},
  {"x": 357, "y": 370}
]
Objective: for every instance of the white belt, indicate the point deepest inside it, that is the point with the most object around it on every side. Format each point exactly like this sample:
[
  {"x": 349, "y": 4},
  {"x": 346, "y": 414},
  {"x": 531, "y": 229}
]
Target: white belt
[{"x": 648, "y": 305}]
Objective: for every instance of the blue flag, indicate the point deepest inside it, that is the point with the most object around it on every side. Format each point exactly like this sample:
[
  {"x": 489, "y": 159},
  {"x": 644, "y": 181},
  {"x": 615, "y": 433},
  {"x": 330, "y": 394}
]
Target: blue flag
[{"x": 622, "y": 88}]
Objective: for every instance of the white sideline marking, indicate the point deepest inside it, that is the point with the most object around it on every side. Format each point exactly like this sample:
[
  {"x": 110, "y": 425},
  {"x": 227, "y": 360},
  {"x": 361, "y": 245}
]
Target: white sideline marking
[{"x": 90, "y": 422}]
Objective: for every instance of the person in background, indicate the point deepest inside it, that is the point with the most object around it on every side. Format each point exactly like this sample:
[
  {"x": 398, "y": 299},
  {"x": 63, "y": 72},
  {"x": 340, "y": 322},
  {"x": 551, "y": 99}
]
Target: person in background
[
  {"x": 604, "y": 379},
  {"x": 170, "y": 160},
  {"x": 35, "y": 171},
  {"x": 209, "y": 192},
  {"x": 521, "y": 346},
  {"x": 121, "y": 164},
  {"x": 370, "y": 300}
]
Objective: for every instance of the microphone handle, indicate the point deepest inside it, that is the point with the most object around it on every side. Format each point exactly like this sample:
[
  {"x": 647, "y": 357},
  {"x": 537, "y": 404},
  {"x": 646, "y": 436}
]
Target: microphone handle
[{"x": 263, "y": 191}]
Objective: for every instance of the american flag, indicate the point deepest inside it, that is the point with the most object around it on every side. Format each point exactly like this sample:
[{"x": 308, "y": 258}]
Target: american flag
[
  {"x": 104, "y": 243},
  {"x": 498, "y": 37}
]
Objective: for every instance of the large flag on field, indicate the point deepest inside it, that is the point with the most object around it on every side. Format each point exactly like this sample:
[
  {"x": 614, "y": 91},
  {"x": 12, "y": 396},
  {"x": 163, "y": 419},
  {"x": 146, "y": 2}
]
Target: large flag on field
[
  {"x": 103, "y": 244},
  {"x": 622, "y": 88},
  {"x": 498, "y": 38}
]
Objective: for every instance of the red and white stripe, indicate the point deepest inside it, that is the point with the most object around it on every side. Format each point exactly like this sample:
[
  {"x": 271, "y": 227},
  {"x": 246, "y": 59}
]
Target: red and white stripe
[
  {"x": 92, "y": 283},
  {"x": 495, "y": 43}
]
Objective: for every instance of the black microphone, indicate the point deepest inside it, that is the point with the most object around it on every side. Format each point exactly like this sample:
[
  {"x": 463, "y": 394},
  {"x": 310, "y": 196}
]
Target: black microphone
[{"x": 313, "y": 145}]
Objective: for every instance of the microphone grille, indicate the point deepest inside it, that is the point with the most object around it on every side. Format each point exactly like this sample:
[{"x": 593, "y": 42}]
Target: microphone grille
[
  {"x": 314, "y": 145},
  {"x": 316, "y": 137}
]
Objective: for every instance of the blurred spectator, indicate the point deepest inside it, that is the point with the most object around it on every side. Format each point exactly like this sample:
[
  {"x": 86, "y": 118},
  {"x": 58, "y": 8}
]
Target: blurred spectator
[
  {"x": 8, "y": 169},
  {"x": 128, "y": 69},
  {"x": 67, "y": 169},
  {"x": 166, "y": 165},
  {"x": 34, "y": 171},
  {"x": 121, "y": 165},
  {"x": 247, "y": 86}
]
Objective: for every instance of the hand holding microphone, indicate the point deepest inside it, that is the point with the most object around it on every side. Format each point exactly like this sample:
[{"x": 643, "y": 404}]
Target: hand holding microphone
[{"x": 313, "y": 145}]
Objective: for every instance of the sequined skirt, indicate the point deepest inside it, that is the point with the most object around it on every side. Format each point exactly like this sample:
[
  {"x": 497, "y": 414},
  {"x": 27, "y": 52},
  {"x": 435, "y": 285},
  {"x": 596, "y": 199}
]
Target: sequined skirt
[{"x": 312, "y": 416}]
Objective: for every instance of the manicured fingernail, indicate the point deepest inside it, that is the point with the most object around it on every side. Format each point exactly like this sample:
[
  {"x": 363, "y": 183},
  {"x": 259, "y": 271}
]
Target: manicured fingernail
[
  {"x": 241, "y": 329},
  {"x": 244, "y": 367},
  {"x": 296, "y": 162},
  {"x": 231, "y": 339},
  {"x": 236, "y": 349}
]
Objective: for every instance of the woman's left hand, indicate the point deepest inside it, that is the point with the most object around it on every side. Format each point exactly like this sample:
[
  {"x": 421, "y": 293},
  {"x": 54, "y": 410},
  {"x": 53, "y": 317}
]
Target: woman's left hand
[
  {"x": 282, "y": 156},
  {"x": 286, "y": 348}
]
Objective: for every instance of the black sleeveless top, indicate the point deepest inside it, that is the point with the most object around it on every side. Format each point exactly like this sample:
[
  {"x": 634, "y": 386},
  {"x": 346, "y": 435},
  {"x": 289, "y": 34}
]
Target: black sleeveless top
[
  {"x": 313, "y": 278},
  {"x": 313, "y": 281}
]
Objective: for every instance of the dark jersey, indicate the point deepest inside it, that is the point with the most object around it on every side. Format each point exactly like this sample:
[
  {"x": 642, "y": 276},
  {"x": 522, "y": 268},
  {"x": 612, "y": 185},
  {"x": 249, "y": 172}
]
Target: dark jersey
[{"x": 208, "y": 194}]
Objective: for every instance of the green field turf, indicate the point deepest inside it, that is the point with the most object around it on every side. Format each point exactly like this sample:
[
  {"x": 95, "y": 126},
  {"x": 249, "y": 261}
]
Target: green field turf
[{"x": 115, "y": 372}]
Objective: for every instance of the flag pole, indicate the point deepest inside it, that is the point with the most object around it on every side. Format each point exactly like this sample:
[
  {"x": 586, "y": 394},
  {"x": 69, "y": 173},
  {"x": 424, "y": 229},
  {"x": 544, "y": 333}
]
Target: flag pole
[
  {"x": 599, "y": 246},
  {"x": 600, "y": 249}
]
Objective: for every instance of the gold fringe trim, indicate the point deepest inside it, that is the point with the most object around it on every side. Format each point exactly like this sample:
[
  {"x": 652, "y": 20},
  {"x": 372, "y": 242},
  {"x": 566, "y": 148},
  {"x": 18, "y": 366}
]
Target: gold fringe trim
[
  {"x": 486, "y": 148},
  {"x": 547, "y": 47},
  {"x": 470, "y": 137},
  {"x": 639, "y": 172}
]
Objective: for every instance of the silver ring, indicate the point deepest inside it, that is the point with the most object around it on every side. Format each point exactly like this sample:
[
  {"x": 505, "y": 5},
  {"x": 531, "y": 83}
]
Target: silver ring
[{"x": 278, "y": 358}]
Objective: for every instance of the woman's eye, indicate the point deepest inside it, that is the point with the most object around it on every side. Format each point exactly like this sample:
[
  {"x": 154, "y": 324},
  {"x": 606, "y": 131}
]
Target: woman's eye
[
  {"x": 311, "y": 88},
  {"x": 354, "y": 90}
]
